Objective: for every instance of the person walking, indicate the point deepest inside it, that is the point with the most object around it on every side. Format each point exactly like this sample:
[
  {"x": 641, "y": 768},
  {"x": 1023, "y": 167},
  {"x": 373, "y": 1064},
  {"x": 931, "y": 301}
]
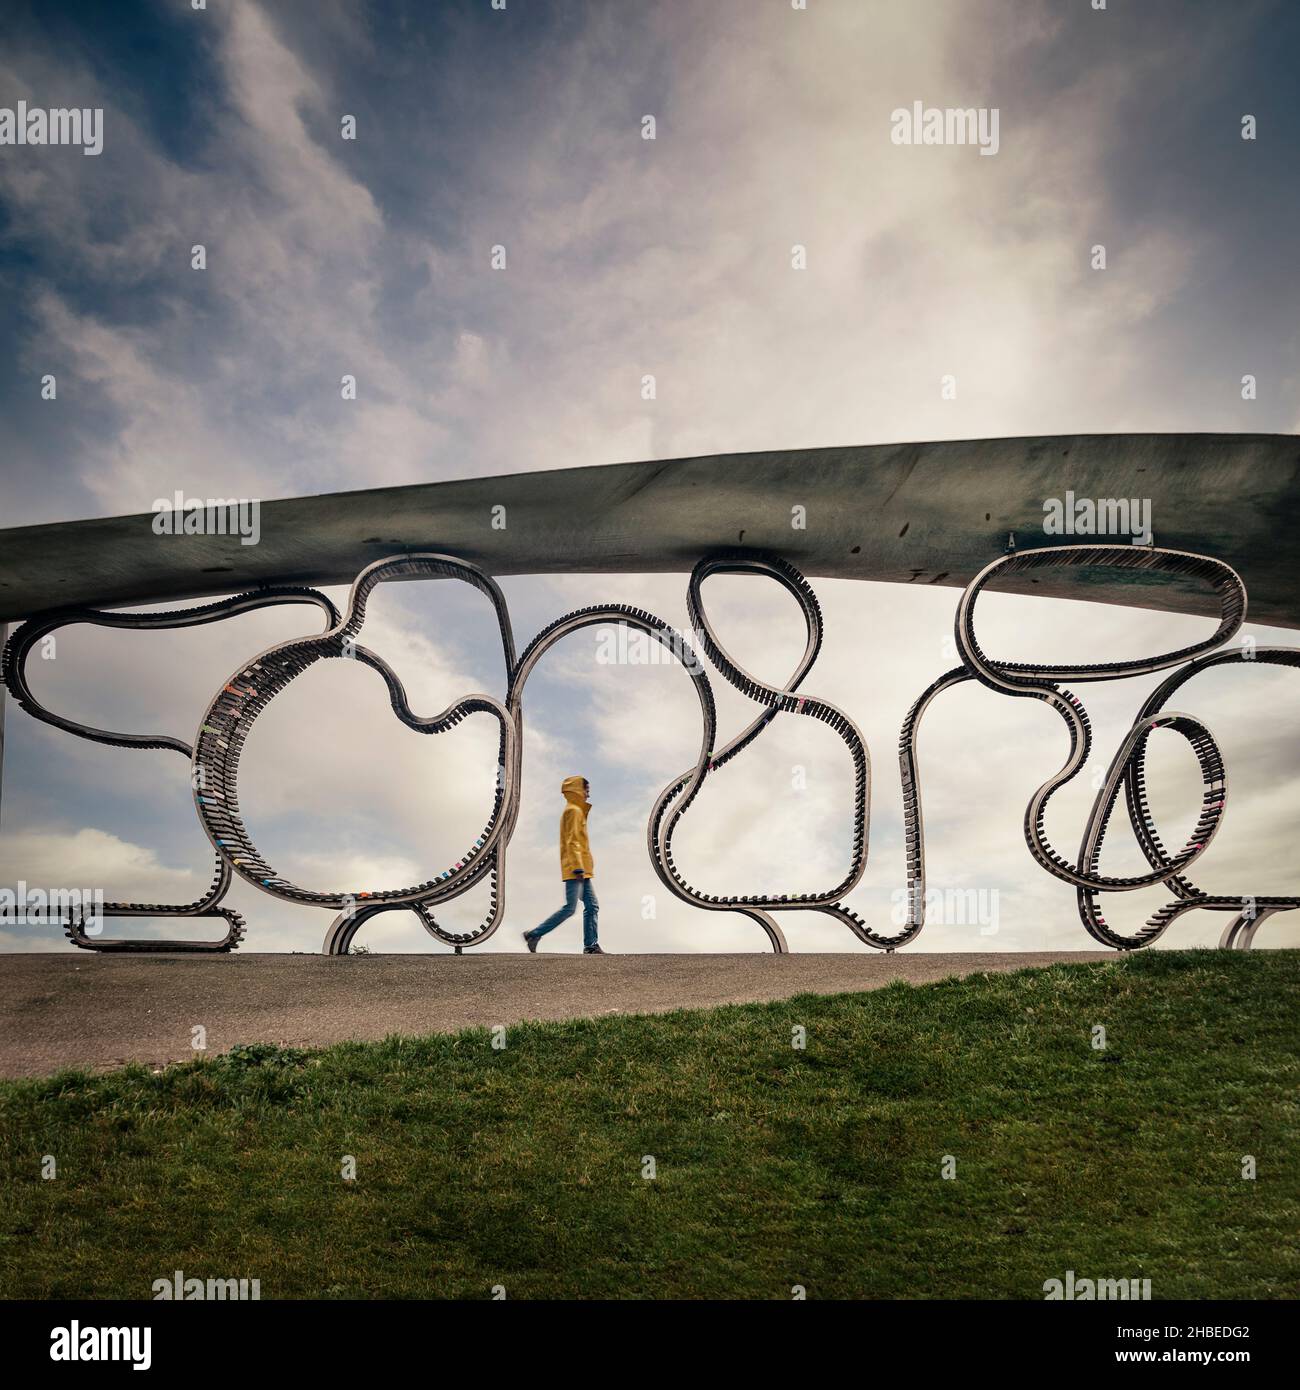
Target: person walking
[{"x": 576, "y": 869}]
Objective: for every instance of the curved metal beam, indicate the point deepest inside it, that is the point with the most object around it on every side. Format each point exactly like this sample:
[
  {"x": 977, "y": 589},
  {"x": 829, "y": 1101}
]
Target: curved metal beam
[{"x": 920, "y": 514}]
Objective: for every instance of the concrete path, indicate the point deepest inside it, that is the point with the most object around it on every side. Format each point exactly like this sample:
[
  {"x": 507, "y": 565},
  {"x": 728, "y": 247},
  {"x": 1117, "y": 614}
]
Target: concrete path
[{"x": 63, "y": 1010}]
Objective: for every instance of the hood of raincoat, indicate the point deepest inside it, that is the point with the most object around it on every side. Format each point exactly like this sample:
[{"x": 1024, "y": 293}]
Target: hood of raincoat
[{"x": 572, "y": 787}]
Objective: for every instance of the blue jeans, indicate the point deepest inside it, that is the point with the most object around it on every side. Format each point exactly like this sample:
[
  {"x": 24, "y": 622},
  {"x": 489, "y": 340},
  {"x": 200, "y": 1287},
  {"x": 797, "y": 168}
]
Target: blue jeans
[{"x": 590, "y": 911}]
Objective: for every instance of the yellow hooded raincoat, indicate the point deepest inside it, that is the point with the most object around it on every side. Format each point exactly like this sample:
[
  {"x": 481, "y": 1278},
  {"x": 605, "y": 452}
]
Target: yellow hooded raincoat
[{"x": 575, "y": 851}]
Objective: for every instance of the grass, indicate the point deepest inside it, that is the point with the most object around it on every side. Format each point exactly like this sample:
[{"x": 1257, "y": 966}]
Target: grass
[{"x": 776, "y": 1167}]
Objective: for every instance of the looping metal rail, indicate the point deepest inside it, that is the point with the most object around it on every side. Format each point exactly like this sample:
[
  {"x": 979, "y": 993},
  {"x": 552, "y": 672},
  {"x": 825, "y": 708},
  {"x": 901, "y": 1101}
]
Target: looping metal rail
[
  {"x": 1127, "y": 768},
  {"x": 13, "y": 672},
  {"x": 231, "y": 714}
]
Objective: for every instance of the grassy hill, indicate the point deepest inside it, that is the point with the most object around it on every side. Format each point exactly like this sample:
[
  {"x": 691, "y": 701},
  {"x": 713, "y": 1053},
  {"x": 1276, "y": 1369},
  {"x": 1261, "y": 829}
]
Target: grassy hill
[{"x": 774, "y": 1166}]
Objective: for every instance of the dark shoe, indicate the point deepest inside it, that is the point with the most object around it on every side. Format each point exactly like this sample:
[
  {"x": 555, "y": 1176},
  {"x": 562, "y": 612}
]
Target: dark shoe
[
  {"x": 592, "y": 951},
  {"x": 530, "y": 941}
]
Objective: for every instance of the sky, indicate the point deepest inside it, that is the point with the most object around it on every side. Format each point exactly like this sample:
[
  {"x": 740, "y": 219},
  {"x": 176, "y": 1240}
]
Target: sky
[{"x": 522, "y": 127}]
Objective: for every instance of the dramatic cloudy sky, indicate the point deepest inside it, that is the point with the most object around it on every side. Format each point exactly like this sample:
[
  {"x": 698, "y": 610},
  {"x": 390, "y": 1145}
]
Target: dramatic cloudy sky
[{"x": 522, "y": 127}]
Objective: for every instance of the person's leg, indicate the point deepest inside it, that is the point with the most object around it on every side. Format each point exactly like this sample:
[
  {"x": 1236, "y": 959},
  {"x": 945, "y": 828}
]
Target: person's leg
[
  {"x": 590, "y": 911},
  {"x": 571, "y": 886}
]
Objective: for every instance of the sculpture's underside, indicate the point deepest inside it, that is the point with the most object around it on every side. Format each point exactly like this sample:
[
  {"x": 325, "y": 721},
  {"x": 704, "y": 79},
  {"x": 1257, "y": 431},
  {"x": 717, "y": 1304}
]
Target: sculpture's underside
[{"x": 908, "y": 513}]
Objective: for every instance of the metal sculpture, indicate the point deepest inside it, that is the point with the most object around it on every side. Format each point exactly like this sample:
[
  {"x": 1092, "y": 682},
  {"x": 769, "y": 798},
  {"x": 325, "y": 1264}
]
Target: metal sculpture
[
  {"x": 1127, "y": 767},
  {"x": 230, "y": 716},
  {"x": 13, "y": 671}
]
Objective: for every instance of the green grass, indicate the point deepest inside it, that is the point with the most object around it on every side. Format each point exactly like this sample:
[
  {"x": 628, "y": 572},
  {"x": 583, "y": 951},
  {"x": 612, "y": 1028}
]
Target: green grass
[{"x": 775, "y": 1167}]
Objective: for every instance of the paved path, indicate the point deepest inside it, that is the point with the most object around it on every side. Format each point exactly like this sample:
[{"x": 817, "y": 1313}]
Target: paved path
[{"x": 66, "y": 1009}]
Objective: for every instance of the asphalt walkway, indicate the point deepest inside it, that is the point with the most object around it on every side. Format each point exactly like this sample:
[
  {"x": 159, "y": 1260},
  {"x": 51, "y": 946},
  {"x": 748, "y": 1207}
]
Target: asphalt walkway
[{"x": 100, "y": 1011}]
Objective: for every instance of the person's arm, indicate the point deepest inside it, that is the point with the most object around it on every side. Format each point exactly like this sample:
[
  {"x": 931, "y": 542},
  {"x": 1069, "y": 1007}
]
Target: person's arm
[{"x": 570, "y": 848}]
